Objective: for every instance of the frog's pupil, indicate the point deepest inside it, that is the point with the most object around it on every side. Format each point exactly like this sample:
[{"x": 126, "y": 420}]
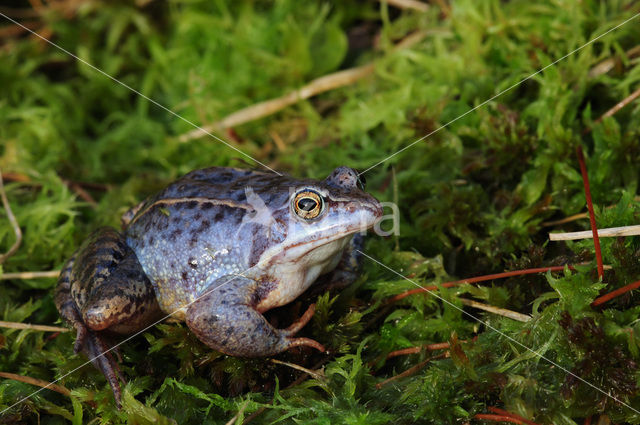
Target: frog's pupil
[{"x": 307, "y": 204}]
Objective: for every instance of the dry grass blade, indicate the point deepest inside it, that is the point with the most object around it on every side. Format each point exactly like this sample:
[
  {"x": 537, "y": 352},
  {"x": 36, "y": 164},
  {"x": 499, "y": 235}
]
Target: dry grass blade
[
  {"x": 579, "y": 216},
  {"x": 45, "y": 328},
  {"x": 408, "y": 4},
  {"x": 30, "y": 275},
  {"x": 13, "y": 221},
  {"x": 316, "y": 375},
  {"x": 269, "y": 107},
  {"x": 609, "y": 232},
  {"x": 514, "y": 315},
  {"x": 315, "y": 87},
  {"x": 237, "y": 415},
  {"x": 610, "y": 63},
  {"x": 38, "y": 382}
]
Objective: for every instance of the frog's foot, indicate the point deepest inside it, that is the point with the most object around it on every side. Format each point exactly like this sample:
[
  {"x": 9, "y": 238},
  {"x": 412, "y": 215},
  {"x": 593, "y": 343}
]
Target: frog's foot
[
  {"x": 100, "y": 351},
  {"x": 226, "y": 319},
  {"x": 299, "y": 324}
]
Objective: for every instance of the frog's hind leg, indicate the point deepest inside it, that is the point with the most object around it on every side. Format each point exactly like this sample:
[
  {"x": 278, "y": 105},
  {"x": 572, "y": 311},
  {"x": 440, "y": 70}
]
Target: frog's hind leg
[
  {"x": 87, "y": 341},
  {"x": 103, "y": 290},
  {"x": 225, "y": 318}
]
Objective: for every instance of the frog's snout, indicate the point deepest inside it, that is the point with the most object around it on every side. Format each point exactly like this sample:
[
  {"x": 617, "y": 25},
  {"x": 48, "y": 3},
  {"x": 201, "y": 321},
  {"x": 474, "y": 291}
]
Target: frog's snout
[
  {"x": 368, "y": 211},
  {"x": 378, "y": 210}
]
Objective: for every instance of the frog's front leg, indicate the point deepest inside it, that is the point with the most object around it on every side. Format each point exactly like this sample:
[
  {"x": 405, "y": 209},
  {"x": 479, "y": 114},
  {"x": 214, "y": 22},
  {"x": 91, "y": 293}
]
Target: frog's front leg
[{"x": 226, "y": 320}]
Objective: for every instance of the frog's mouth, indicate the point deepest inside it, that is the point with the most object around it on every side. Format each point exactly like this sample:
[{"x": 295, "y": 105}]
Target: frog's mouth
[{"x": 321, "y": 242}]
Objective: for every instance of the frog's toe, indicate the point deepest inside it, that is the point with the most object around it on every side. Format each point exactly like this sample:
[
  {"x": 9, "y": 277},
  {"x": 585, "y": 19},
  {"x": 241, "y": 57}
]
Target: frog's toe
[
  {"x": 300, "y": 323},
  {"x": 99, "y": 353},
  {"x": 297, "y": 342},
  {"x": 295, "y": 327},
  {"x": 81, "y": 336}
]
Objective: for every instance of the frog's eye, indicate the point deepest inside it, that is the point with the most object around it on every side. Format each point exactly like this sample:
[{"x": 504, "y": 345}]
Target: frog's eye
[{"x": 308, "y": 204}]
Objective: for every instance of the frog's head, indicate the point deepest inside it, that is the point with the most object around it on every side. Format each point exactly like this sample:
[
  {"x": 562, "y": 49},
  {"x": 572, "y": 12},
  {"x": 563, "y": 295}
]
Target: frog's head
[{"x": 318, "y": 218}]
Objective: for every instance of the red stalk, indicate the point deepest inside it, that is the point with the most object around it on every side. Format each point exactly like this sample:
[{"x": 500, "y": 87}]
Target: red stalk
[
  {"x": 592, "y": 217},
  {"x": 477, "y": 279},
  {"x": 498, "y": 418},
  {"x": 513, "y": 415},
  {"x": 611, "y": 295},
  {"x": 416, "y": 350}
]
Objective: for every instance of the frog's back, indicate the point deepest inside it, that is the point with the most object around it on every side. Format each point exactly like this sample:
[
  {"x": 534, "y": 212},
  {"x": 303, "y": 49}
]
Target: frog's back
[{"x": 195, "y": 231}]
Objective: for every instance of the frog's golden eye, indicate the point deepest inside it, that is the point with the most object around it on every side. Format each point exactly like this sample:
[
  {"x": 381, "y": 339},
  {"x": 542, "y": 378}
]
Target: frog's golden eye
[{"x": 308, "y": 204}]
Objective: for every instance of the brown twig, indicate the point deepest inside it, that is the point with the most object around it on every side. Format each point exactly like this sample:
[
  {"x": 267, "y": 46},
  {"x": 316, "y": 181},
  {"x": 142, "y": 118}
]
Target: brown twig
[
  {"x": 37, "y": 382},
  {"x": 15, "y": 30},
  {"x": 613, "y": 294},
  {"x": 514, "y": 315},
  {"x": 513, "y": 415},
  {"x": 609, "y": 232},
  {"x": 411, "y": 370},
  {"x": 617, "y": 107},
  {"x": 587, "y": 420},
  {"x": 19, "y": 13},
  {"x": 416, "y": 350},
  {"x": 592, "y": 216},
  {"x": 565, "y": 220},
  {"x": 82, "y": 194},
  {"x": 476, "y": 280},
  {"x": 315, "y": 87},
  {"x": 16, "y": 177},
  {"x": 13, "y": 221},
  {"x": 624, "y": 102},
  {"x": 44, "y": 328},
  {"x": 30, "y": 275}
]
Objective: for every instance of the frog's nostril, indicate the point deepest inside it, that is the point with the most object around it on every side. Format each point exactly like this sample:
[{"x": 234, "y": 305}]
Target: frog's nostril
[{"x": 352, "y": 206}]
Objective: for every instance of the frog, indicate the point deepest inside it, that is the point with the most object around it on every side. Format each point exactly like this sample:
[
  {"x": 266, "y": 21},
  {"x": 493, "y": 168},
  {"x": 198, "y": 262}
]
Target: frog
[{"x": 216, "y": 249}]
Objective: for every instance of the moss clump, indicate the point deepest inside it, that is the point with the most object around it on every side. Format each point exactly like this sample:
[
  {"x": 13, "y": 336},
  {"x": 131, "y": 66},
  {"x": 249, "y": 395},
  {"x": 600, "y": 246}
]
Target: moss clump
[{"x": 474, "y": 198}]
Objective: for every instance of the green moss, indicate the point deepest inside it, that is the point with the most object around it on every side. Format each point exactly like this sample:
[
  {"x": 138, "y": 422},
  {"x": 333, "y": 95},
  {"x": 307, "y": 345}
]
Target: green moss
[{"x": 473, "y": 199}]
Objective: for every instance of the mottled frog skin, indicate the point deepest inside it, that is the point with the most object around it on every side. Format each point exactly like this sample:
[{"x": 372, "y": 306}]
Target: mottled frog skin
[{"x": 217, "y": 248}]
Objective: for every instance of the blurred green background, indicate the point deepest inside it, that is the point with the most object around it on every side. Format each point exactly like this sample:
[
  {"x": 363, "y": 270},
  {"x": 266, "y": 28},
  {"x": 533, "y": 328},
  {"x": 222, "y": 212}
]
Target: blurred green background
[{"x": 77, "y": 150}]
